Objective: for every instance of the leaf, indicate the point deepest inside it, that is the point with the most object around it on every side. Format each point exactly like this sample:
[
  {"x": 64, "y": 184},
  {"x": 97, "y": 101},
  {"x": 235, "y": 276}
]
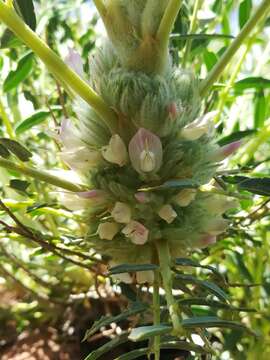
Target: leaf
[
  {"x": 207, "y": 322},
  {"x": 135, "y": 354},
  {"x": 200, "y": 36},
  {"x": 136, "y": 308},
  {"x": 212, "y": 304},
  {"x": 9, "y": 40},
  {"x": 174, "y": 184},
  {"x": 238, "y": 135},
  {"x": 210, "y": 59},
  {"x": 146, "y": 332},
  {"x": 259, "y": 109},
  {"x": 211, "y": 287},
  {"x": 25, "y": 8},
  {"x": 259, "y": 186},
  {"x": 244, "y": 12},
  {"x": 23, "y": 69},
  {"x": 16, "y": 148},
  {"x": 192, "y": 263},
  {"x": 183, "y": 345},
  {"x": 252, "y": 83},
  {"x": 19, "y": 185},
  {"x": 110, "y": 345},
  {"x": 33, "y": 120},
  {"x": 4, "y": 152},
  {"x": 120, "y": 269}
]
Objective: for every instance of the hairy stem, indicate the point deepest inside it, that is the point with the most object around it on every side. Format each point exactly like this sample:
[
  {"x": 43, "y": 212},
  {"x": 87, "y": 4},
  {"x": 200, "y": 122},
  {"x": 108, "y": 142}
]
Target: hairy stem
[
  {"x": 156, "y": 311},
  {"x": 167, "y": 281},
  {"x": 217, "y": 70},
  {"x": 57, "y": 66},
  {"x": 167, "y": 23},
  {"x": 41, "y": 176}
]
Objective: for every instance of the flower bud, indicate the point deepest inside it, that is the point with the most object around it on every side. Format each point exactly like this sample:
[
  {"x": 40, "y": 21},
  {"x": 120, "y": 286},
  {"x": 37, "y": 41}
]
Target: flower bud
[
  {"x": 173, "y": 111},
  {"x": 107, "y": 230},
  {"x": 167, "y": 213},
  {"x": 225, "y": 151},
  {"x": 145, "y": 151},
  {"x": 142, "y": 197},
  {"x": 137, "y": 232},
  {"x": 121, "y": 213},
  {"x": 96, "y": 196},
  {"x": 207, "y": 240},
  {"x": 201, "y": 126},
  {"x": 74, "y": 60},
  {"x": 116, "y": 151},
  {"x": 185, "y": 197}
]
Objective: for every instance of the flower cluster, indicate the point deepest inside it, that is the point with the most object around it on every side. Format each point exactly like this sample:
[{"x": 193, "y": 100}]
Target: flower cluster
[{"x": 146, "y": 179}]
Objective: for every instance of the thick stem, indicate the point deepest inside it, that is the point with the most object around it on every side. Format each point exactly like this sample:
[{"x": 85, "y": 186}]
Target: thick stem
[
  {"x": 57, "y": 66},
  {"x": 156, "y": 312},
  {"x": 167, "y": 23},
  {"x": 167, "y": 280},
  {"x": 41, "y": 175},
  {"x": 217, "y": 70}
]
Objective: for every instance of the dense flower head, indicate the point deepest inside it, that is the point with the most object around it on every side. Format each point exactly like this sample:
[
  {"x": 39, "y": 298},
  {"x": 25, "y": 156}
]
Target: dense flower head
[{"x": 145, "y": 180}]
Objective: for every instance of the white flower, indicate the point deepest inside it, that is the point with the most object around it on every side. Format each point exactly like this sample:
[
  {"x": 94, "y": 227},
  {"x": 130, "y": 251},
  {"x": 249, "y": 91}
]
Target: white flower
[
  {"x": 74, "y": 60},
  {"x": 219, "y": 204},
  {"x": 82, "y": 159},
  {"x": 145, "y": 151},
  {"x": 121, "y": 213},
  {"x": 216, "y": 226},
  {"x": 107, "y": 230},
  {"x": 137, "y": 232},
  {"x": 167, "y": 213},
  {"x": 199, "y": 127},
  {"x": 115, "y": 152},
  {"x": 82, "y": 200},
  {"x": 185, "y": 197}
]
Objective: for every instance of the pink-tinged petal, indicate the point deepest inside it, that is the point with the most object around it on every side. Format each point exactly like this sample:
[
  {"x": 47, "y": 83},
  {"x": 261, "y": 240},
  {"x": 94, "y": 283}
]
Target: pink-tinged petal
[
  {"x": 136, "y": 232},
  {"x": 225, "y": 151},
  {"x": 142, "y": 197},
  {"x": 97, "y": 196},
  {"x": 69, "y": 135},
  {"x": 207, "y": 240},
  {"x": 74, "y": 60},
  {"x": 145, "y": 151}
]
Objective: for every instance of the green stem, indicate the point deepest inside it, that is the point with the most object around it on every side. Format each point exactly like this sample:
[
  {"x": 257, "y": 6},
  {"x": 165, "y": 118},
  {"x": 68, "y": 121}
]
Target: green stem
[
  {"x": 167, "y": 280},
  {"x": 41, "y": 176},
  {"x": 101, "y": 8},
  {"x": 57, "y": 66},
  {"x": 167, "y": 23},
  {"x": 192, "y": 30},
  {"x": 217, "y": 70},
  {"x": 156, "y": 312},
  {"x": 6, "y": 120}
]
